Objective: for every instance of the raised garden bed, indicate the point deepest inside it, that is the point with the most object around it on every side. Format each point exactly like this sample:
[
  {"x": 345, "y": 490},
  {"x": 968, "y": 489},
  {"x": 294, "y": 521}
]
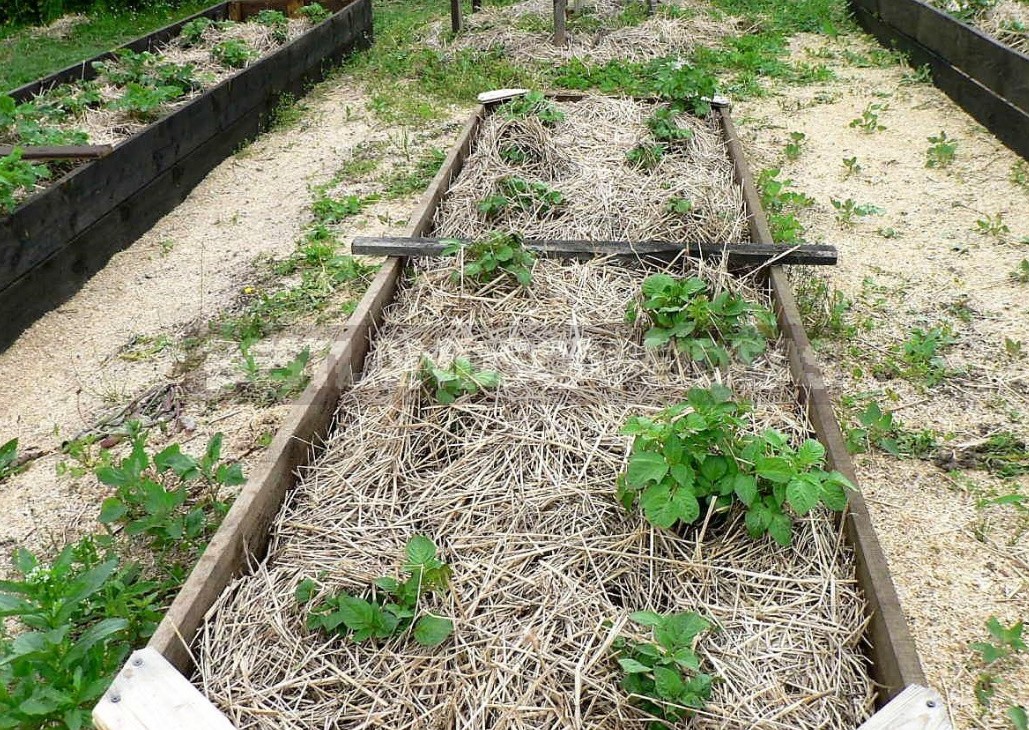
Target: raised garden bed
[
  {"x": 59, "y": 237},
  {"x": 988, "y": 79},
  {"x": 518, "y": 489}
]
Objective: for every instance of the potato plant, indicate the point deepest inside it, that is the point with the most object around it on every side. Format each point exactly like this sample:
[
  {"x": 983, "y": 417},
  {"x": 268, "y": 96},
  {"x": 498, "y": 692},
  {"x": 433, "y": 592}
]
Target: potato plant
[
  {"x": 391, "y": 608},
  {"x": 663, "y": 677},
  {"x": 448, "y": 384},
  {"x": 233, "y": 52},
  {"x": 533, "y": 104},
  {"x": 707, "y": 328},
  {"x": 499, "y": 255},
  {"x": 18, "y": 177},
  {"x": 315, "y": 13},
  {"x": 697, "y": 456}
]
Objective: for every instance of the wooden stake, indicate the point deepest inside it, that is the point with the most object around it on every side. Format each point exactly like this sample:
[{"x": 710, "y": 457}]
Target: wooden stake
[
  {"x": 59, "y": 152},
  {"x": 651, "y": 6},
  {"x": 455, "y": 16},
  {"x": 560, "y": 34},
  {"x": 476, "y": 6}
]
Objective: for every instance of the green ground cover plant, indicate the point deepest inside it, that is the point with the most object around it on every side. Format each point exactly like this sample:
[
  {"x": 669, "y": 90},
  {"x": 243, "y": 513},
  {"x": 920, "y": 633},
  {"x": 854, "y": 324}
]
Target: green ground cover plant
[
  {"x": 782, "y": 205},
  {"x": 392, "y": 606},
  {"x": 881, "y": 429},
  {"x": 698, "y": 455},
  {"x": 233, "y": 52},
  {"x": 941, "y": 152},
  {"x": 314, "y": 12},
  {"x": 709, "y": 328}
]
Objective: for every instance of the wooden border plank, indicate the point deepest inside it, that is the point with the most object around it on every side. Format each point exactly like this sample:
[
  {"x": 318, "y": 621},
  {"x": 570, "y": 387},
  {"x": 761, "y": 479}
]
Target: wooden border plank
[
  {"x": 916, "y": 708},
  {"x": 997, "y": 66},
  {"x": 895, "y": 663},
  {"x": 58, "y": 152},
  {"x": 1004, "y": 120},
  {"x": 736, "y": 254},
  {"x": 150, "y": 694},
  {"x": 46, "y": 229},
  {"x": 243, "y": 533}
]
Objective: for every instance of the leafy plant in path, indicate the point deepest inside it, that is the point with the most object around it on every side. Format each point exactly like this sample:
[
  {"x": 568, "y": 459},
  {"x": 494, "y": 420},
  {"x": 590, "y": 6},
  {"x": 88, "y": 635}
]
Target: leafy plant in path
[
  {"x": 695, "y": 456},
  {"x": 392, "y": 607},
  {"x": 496, "y": 256},
  {"x": 170, "y": 499},
  {"x": 462, "y": 378},
  {"x": 705, "y": 327},
  {"x": 663, "y": 677},
  {"x": 9, "y": 459}
]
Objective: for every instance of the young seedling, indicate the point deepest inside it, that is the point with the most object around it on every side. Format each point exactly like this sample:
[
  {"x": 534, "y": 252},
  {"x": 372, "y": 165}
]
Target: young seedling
[
  {"x": 662, "y": 677},
  {"x": 334, "y": 210},
  {"x": 796, "y": 145},
  {"x": 825, "y": 310},
  {"x": 645, "y": 156},
  {"x": 461, "y": 378},
  {"x": 276, "y": 384},
  {"x": 851, "y": 166},
  {"x": 315, "y": 13},
  {"x": 1020, "y": 175},
  {"x": 849, "y": 209},
  {"x": 869, "y": 122},
  {"x": 705, "y": 327},
  {"x": 1021, "y": 272},
  {"x": 941, "y": 151},
  {"x": 993, "y": 226},
  {"x": 392, "y": 607},
  {"x": 696, "y": 456},
  {"x": 1014, "y": 349},
  {"x": 497, "y": 256},
  {"x": 680, "y": 206},
  {"x": 192, "y": 33}
]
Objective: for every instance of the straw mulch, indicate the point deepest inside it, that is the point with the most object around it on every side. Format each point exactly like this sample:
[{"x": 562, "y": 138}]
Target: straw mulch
[
  {"x": 605, "y": 197},
  {"x": 524, "y": 33},
  {"x": 1008, "y": 22},
  {"x": 517, "y": 490}
]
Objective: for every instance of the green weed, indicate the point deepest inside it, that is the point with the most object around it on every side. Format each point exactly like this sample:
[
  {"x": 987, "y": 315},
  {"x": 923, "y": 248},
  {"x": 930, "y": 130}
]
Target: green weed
[
  {"x": 404, "y": 183},
  {"x": 796, "y": 145},
  {"x": 1021, "y": 272},
  {"x": 532, "y": 104},
  {"x": 233, "y": 53},
  {"x": 315, "y": 13},
  {"x": 9, "y": 463},
  {"x": 883, "y": 430},
  {"x": 275, "y": 384},
  {"x": 18, "y": 177},
  {"x": 851, "y": 166},
  {"x": 869, "y": 122},
  {"x": 847, "y": 211},
  {"x": 941, "y": 151},
  {"x": 645, "y": 156},
  {"x": 992, "y": 225},
  {"x": 920, "y": 357},
  {"x": 782, "y": 204},
  {"x": 824, "y": 310}
]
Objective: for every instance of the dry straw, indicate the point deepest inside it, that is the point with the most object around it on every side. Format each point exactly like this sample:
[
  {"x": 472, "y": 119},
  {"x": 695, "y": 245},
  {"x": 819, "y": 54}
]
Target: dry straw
[
  {"x": 605, "y": 197},
  {"x": 517, "y": 490}
]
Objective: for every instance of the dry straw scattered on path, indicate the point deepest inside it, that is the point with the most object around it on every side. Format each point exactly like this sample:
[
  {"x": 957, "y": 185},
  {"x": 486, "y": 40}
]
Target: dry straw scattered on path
[{"x": 517, "y": 490}]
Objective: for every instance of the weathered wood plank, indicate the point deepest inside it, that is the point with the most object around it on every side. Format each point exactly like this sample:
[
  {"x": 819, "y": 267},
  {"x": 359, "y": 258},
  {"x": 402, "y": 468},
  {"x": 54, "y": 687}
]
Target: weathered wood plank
[
  {"x": 150, "y": 694},
  {"x": 59, "y": 152},
  {"x": 1004, "y": 120},
  {"x": 738, "y": 254},
  {"x": 916, "y": 708}
]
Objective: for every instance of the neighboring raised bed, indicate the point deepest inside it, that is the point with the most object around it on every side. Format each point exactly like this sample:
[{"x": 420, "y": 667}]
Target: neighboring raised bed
[
  {"x": 245, "y": 533},
  {"x": 987, "y": 78},
  {"x": 56, "y": 239}
]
